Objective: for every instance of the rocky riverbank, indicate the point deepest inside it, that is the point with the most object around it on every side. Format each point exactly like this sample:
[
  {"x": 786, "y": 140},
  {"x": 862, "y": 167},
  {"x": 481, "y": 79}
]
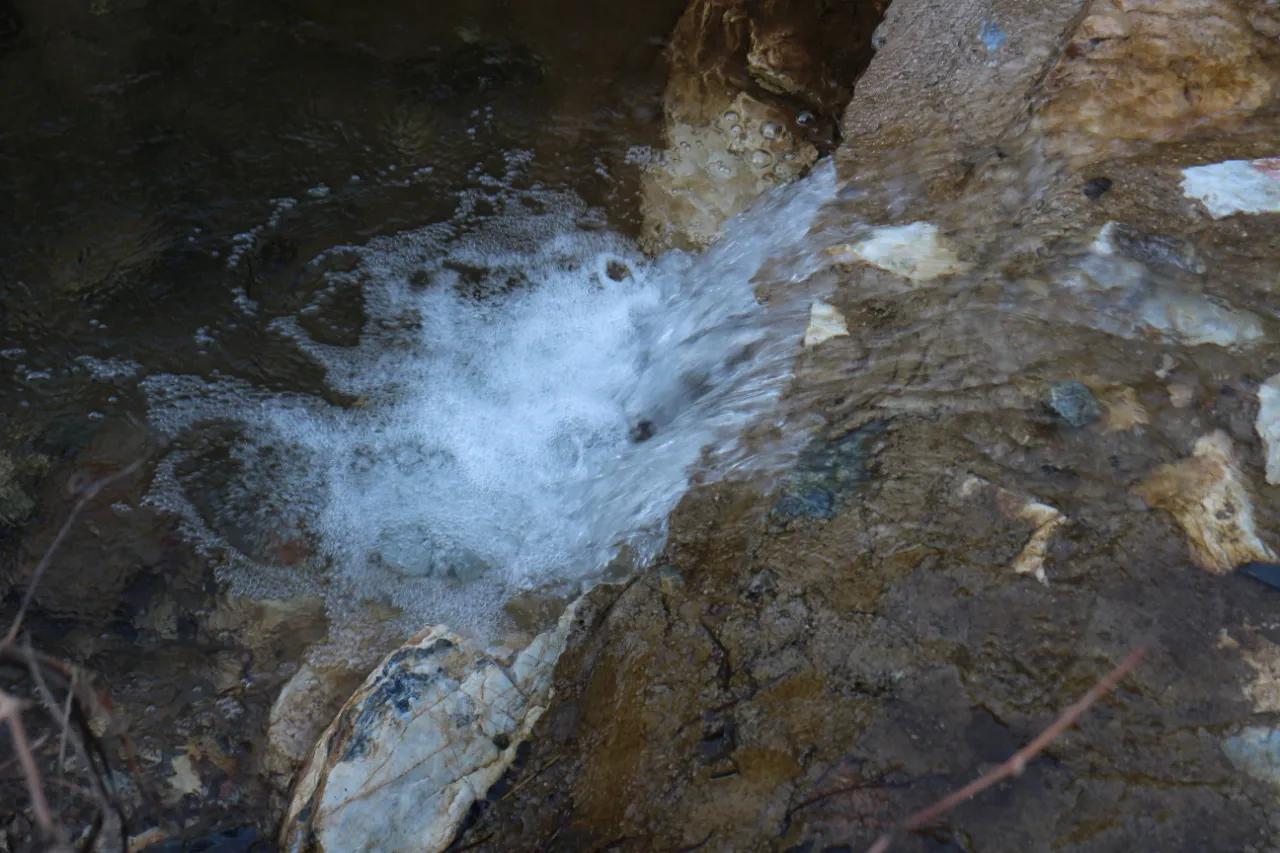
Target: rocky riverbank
[{"x": 1040, "y": 452}]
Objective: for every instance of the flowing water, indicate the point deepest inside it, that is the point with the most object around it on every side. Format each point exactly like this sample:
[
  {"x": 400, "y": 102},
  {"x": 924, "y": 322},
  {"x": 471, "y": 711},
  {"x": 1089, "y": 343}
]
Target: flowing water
[
  {"x": 362, "y": 295},
  {"x": 526, "y": 396}
]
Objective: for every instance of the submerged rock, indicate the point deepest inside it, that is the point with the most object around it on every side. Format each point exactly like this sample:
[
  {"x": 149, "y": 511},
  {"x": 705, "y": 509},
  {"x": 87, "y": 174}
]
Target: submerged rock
[
  {"x": 913, "y": 251},
  {"x": 430, "y": 730},
  {"x": 1145, "y": 280},
  {"x": 825, "y": 322},
  {"x": 1206, "y": 494},
  {"x": 826, "y": 473},
  {"x": 15, "y": 504},
  {"x": 1235, "y": 186},
  {"x": 1121, "y": 409},
  {"x": 1268, "y": 426},
  {"x": 1074, "y": 403},
  {"x": 1255, "y": 751},
  {"x": 1044, "y": 519}
]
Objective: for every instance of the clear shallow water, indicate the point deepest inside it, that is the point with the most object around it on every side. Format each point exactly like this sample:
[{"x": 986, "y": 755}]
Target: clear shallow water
[{"x": 527, "y": 396}]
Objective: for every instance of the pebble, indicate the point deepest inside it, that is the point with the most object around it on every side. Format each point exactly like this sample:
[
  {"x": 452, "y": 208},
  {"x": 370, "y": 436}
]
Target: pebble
[
  {"x": 1095, "y": 188},
  {"x": 1074, "y": 403}
]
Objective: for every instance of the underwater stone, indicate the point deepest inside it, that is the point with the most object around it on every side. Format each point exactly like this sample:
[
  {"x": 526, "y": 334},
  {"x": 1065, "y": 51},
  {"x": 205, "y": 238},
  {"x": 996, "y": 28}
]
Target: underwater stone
[
  {"x": 913, "y": 251},
  {"x": 1074, "y": 403},
  {"x": 826, "y": 473},
  {"x": 15, "y": 505},
  {"x": 1044, "y": 520},
  {"x": 1268, "y": 426},
  {"x": 1235, "y": 186},
  {"x": 825, "y": 322},
  {"x": 1095, "y": 188},
  {"x": 1207, "y": 495},
  {"x": 1255, "y": 751}
]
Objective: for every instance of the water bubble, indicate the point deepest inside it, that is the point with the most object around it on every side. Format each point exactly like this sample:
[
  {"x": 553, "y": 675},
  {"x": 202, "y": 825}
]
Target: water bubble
[
  {"x": 806, "y": 119},
  {"x": 731, "y": 117},
  {"x": 736, "y": 131},
  {"x": 761, "y": 159},
  {"x": 771, "y": 130},
  {"x": 720, "y": 169}
]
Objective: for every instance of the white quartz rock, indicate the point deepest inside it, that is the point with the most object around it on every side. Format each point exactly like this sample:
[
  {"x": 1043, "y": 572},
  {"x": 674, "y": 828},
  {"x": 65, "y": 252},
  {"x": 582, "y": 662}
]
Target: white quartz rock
[
  {"x": 1235, "y": 186},
  {"x": 914, "y": 251},
  {"x": 1268, "y": 426},
  {"x": 825, "y": 322},
  {"x": 432, "y": 728}
]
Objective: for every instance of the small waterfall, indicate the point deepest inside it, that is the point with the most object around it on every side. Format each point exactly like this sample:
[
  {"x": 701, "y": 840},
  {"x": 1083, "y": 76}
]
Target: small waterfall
[{"x": 531, "y": 394}]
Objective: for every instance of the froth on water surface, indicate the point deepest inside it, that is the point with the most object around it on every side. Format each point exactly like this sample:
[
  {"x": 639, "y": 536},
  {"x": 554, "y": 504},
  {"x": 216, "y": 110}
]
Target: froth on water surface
[{"x": 527, "y": 396}]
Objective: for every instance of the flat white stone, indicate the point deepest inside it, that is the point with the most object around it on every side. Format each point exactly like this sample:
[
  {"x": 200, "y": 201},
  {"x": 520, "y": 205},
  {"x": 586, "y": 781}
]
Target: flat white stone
[
  {"x": 1268, "y": 426},
  {"x": 825, "y": 322},
  {"x": 913, "y": 251},
  {"x": 1235, "y": 186}
]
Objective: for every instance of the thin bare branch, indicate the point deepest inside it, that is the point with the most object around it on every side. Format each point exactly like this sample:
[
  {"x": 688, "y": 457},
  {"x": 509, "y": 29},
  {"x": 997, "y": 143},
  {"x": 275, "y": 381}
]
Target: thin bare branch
[
  {"x": 1018, "y": 761},
  {"x": 87, "y": 495},
  {"x": 11, "y": 713}
]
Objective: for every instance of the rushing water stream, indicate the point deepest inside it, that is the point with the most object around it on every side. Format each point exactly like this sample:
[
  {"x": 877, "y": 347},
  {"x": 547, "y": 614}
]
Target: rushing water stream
[
  {"x": 528, "y": 394},
  {"x": 357, "y": 303}
]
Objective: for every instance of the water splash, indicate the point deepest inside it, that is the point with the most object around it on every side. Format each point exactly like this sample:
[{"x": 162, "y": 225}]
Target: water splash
[{"x": 532, "y": 393}]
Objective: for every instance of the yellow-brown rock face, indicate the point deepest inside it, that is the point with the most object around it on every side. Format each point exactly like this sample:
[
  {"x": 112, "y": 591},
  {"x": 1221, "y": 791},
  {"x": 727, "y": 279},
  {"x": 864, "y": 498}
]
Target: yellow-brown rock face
[{"x": 1155, "y": 70}]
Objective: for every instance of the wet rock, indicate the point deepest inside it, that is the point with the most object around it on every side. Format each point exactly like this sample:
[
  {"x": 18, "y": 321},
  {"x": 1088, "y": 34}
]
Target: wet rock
[
  {"x": 1264, "y": 573},
  {"x": 961, "y": 97},
  {"x": 1235, "y": 186},
  {"x": 1255, "y": 751},
  {"x": 750, "y": 101},
  {"x": 15, "y": 504},
  {"x": 1268, "y": 426},
  {"x": 1207, "y": 495},
  {"x": 1153, "y": 250},
  {"x": 826, "y": 473},
  {"x": 429, "y": 731},
  {"x": 1181, "y": 395},
  {"x": 1096, "y": 188},
  {"x": 301, "y": 711},
  {"x": 1044, "y": 520},
  {"x": 1263, "y": 657},
  {"x": 333, "y": 664},
  {"x": 825, "y": 322},
  {"x": 1142, "y": 277},
  {"x": 1154, "y": 70},
  {"x": 1121, "y": 409},
  {"x": 913, "y": 251},
  {"x": 1074, "y": 403}
]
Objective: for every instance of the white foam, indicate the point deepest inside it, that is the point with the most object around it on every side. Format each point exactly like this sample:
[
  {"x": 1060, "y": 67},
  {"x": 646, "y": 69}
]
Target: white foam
[{"x": 503, "y": 377}]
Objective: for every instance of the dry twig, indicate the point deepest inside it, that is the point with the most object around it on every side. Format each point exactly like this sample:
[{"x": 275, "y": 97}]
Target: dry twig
[
  {"x": 1018, "y": 761},
  {"x": 69, "y": 715}
]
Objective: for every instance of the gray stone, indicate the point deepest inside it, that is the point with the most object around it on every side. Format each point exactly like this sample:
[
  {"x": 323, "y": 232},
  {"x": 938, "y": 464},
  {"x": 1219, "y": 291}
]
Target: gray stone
[{"x": 1074, "y": 403}]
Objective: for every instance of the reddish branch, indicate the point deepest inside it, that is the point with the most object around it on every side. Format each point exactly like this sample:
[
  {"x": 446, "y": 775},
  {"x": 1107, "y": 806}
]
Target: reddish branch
[{"x": 1018, "y": 761}]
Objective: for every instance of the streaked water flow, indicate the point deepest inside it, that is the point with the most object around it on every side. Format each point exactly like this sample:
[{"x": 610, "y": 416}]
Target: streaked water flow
[{"x": 530, "y": 395}]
